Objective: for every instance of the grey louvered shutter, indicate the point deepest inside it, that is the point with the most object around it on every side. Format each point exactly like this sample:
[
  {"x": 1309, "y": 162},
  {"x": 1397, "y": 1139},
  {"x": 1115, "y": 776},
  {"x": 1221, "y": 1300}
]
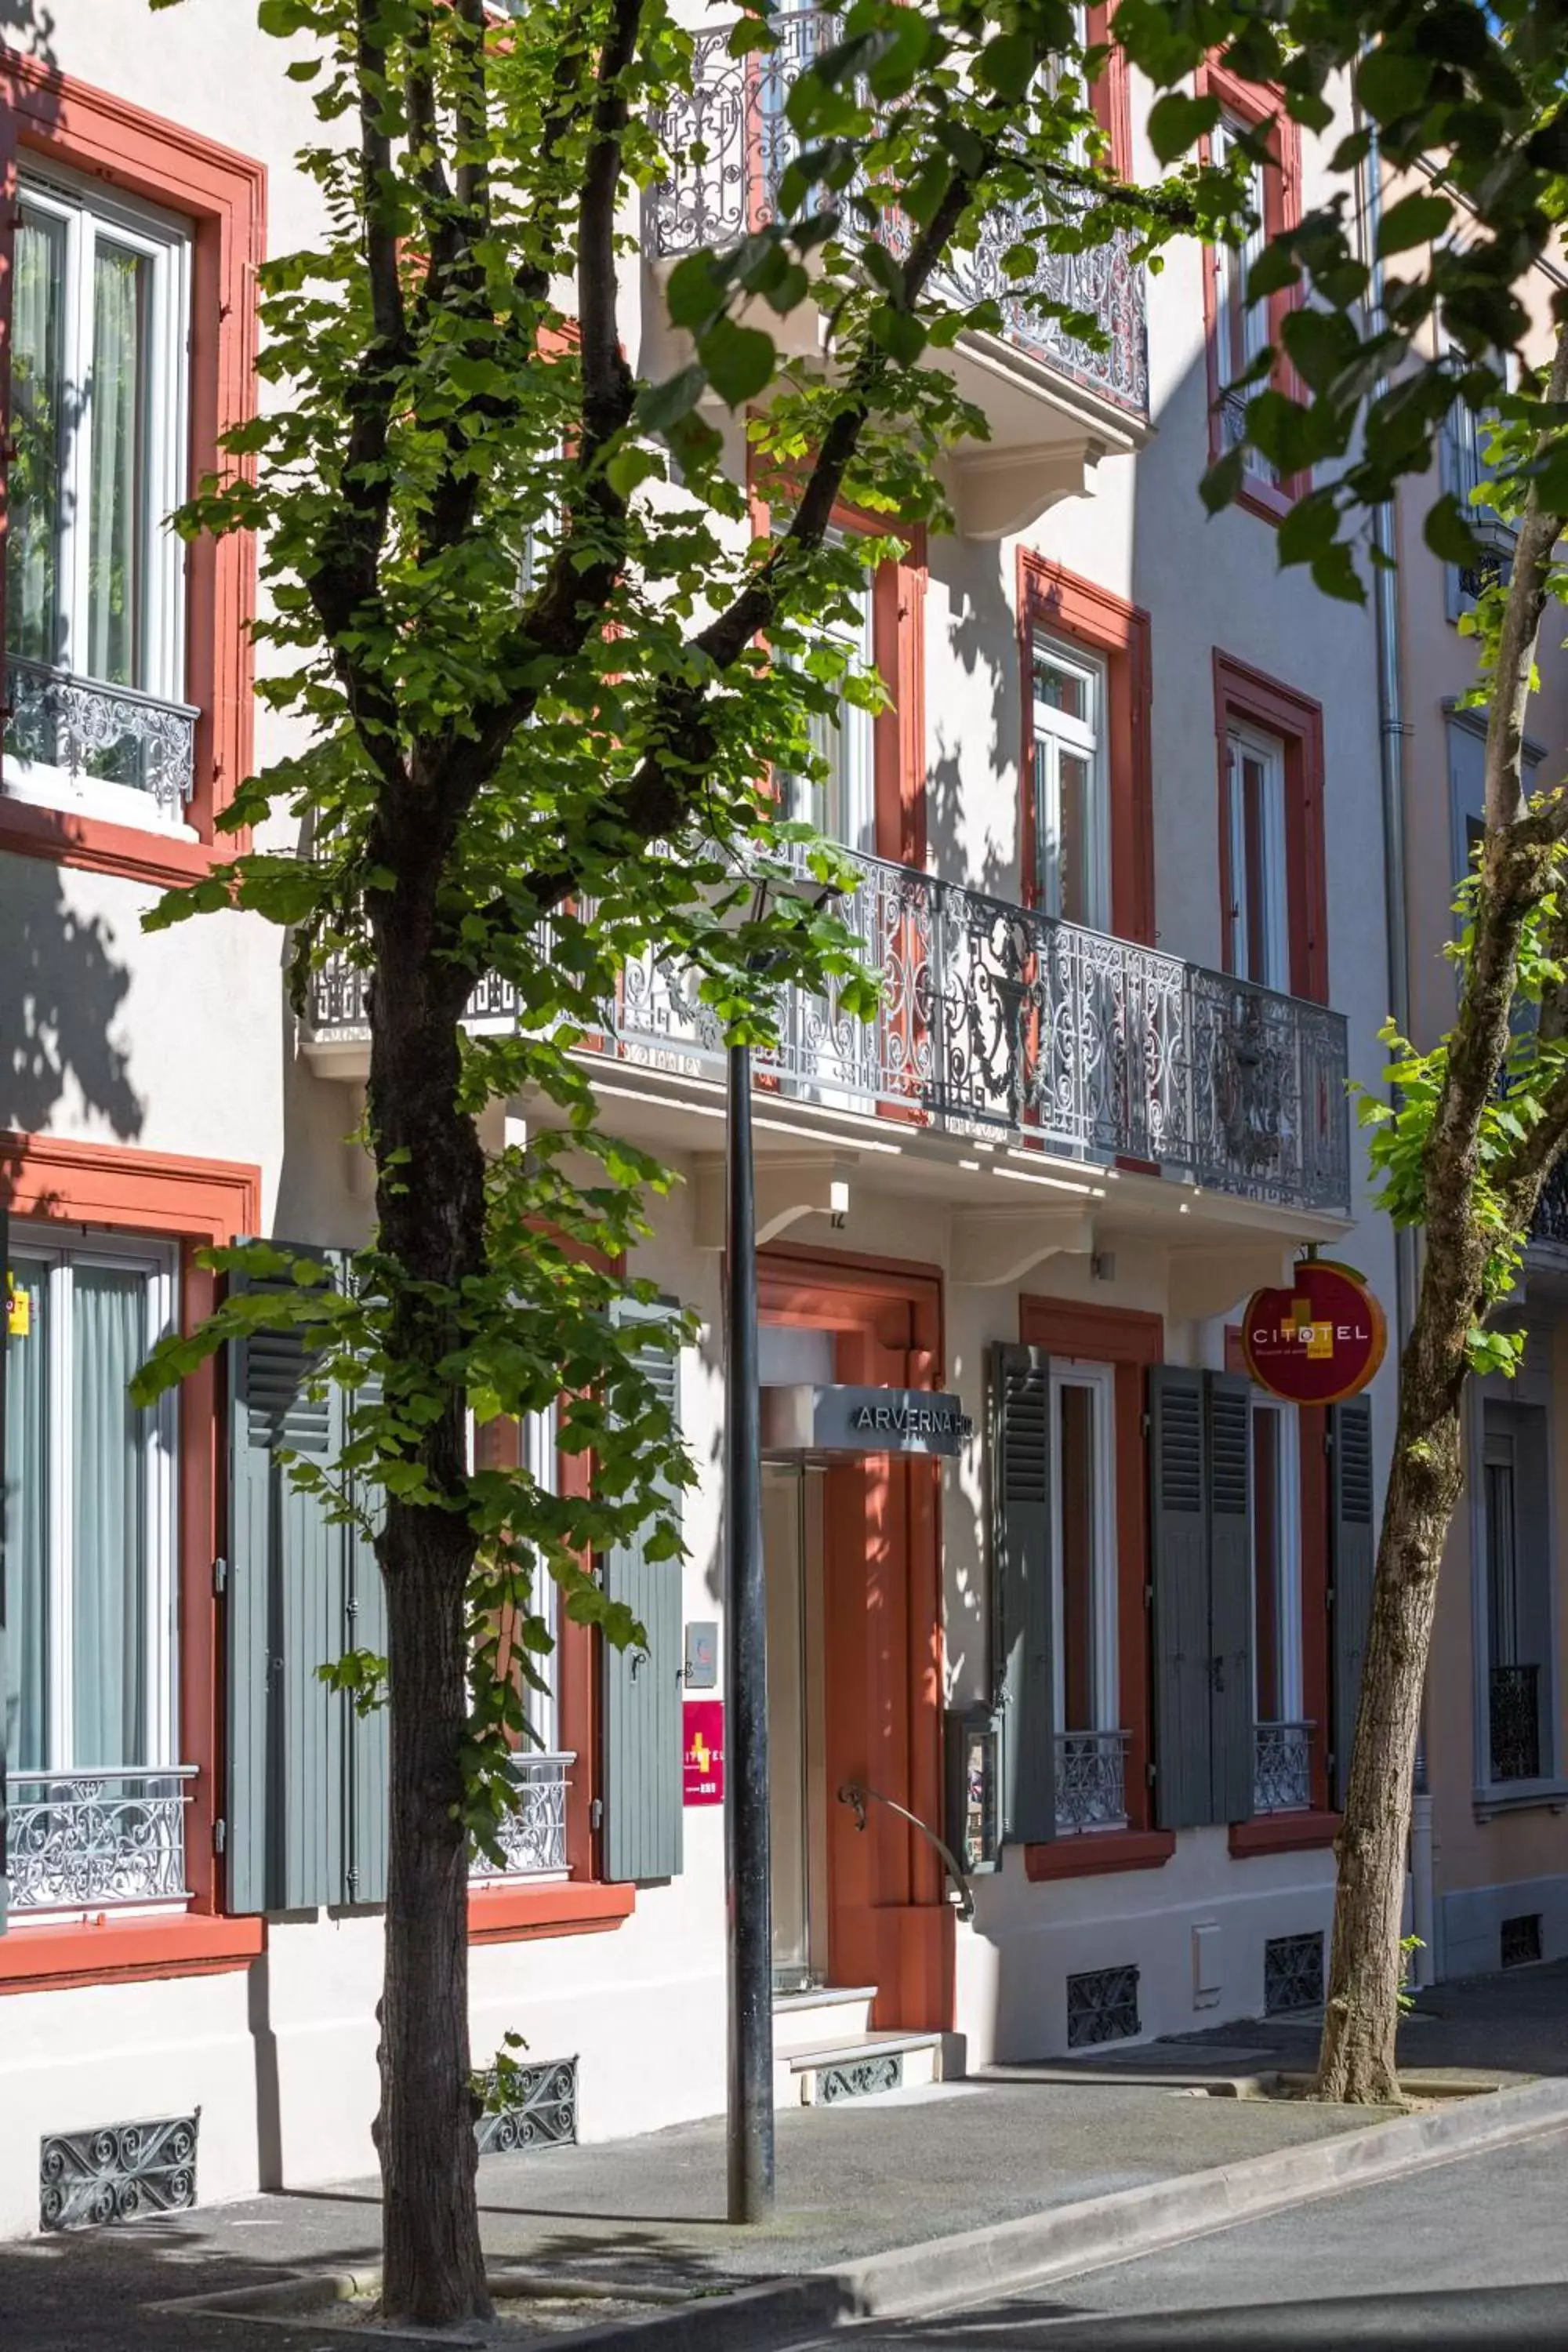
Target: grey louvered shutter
[
  {"x": 1019, "y": 1410},
  {"x": 1352, "y": 1560},
  {"x": 1179, "y": 1572},
  {"x": 643, "y": 1688},
  {"x": 1230, "y": 1596},
  {"x": 286, "y": 1788},
  {"x": 5, "y": 1676},
  {"x": 369, "y": 1758}
]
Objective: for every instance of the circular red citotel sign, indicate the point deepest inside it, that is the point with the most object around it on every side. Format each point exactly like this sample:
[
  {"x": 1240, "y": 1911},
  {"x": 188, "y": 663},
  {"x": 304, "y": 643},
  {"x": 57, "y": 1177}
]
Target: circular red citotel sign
[{"x": 1318, "y": 1342}]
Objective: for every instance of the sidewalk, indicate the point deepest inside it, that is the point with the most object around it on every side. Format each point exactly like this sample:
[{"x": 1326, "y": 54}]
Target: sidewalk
[{"x": 855, "y": 2180}]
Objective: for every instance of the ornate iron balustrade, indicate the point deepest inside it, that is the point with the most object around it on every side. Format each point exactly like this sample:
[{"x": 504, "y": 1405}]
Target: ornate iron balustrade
[
  {"x": 94, "y": 1841},
  {"x": 731, "y": 143},
  {"x": 113, "y": 734},
  {"x": 1513, "y": 1722},
  {"x": 1282, "y": 1768},
  {"x": 1091, "y": 1781},
  {"x": 999, "y": 1021},
  {"x": 534, "y": 1835}
]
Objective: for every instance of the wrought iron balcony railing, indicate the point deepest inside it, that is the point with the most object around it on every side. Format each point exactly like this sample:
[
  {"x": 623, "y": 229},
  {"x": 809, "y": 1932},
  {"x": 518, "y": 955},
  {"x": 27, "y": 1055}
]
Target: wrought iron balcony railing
[
  {"x": 999, "y": 1021},
  {"x": 534, "y": 1836},
  {"x": 1513, "y": 1722},
  {"x": 1091, "y": 1781},
  {"x": 112, "y": 734},
  {"x": 734, "y": 142},
  {"x": 96, "y": 1841},
  {"x": 1552, "y": 1210},
  {"x": 1282, "y": 1768}
]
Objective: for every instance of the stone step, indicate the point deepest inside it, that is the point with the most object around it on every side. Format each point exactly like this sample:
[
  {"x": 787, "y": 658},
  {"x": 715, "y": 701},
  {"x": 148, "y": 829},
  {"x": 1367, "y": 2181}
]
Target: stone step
[
  {"x": 834, "y": 2071},
  {"x": 804, "y": 2021}
]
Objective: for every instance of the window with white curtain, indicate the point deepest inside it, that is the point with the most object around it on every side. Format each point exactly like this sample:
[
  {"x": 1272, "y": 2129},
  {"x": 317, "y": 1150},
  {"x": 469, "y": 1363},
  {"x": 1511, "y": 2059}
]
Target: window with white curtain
[
  {"x": 1072, "y": 863},
  {"x": 841, "y": 801},
  {"x": 1276, "y": 1561},
  {"x": 89, "y": 1508},
  {"x": 94, "y": 575},
  {"x": 1083, "y": 1546}
]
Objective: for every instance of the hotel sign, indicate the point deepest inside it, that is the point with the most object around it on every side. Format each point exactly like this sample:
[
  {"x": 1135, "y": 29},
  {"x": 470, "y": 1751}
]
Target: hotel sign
[
  {"x": 845, "y": 1420},
  {"x": 1318, "y": 1342}
]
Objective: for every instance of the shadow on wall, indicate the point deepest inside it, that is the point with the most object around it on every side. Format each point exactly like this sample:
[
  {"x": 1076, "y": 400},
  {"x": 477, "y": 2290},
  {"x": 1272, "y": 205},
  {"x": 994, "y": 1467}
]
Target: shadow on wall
[{"x": 62, "y": 987}]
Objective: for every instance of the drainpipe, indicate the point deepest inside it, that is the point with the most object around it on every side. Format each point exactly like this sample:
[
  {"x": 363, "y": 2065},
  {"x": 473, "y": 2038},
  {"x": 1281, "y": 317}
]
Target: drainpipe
[{"x": 1392, "y": 730}]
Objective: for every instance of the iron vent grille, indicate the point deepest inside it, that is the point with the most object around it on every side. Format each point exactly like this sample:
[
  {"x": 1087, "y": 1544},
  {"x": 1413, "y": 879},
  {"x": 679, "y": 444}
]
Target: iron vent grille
[
  {"x": 1292, "y": 1973},
  {"x": 1102, "y": 2006},
  {"x": 1521, "y": 1939},
  {"x": 117, "y": 2173}
]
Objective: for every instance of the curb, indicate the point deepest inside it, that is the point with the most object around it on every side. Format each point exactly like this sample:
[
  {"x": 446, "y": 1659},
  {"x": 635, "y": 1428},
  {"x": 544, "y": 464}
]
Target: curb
[{"x": 978, "y": 2265}]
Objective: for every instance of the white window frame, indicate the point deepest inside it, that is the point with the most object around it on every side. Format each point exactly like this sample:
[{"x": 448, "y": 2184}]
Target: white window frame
[
  {"x": 159, "y": 1262},
  {"x": 855, "y": 744},
  {"x": 1101, "y": 1380},
  {"x": 537, "y": 1444},
  {"x": 84, "y": 209},
  {"x": 1232, "y": 266},
  {"x": 1274, "y": 850},
  {"x": 1056, "y": 731},
  {"x": 1288, "y": 1553}
]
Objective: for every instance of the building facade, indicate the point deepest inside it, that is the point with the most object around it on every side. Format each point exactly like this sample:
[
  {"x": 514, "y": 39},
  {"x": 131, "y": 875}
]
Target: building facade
[{"x": 1123, "y": 849}]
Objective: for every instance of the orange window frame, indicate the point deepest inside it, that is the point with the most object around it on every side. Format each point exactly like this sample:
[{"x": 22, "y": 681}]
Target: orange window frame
[
  {"x": 1061, "y": 603},
  {"x": 1297, "y": 721},
  {"x": 223, "y": 196},
  {"x": 1255, "y": 104}
]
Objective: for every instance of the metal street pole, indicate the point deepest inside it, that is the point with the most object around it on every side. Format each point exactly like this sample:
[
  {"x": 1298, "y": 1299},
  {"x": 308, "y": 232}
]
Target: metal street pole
[{"x": 746, "y": 1850}]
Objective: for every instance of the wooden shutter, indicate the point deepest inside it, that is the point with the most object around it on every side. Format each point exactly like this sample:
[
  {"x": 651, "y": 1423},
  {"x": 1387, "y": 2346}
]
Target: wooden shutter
[
  {"x": 1352, "y": 1556},
  {"x": 306, "y": 1795},
  {"x": 5, "y": 1677},
  {"x": 1019, "y": 1411},
  {"x": 643, "y": 1688},
  {"x": 1179, "y": 1530},
  {"x": 1230, "y": 1596}
]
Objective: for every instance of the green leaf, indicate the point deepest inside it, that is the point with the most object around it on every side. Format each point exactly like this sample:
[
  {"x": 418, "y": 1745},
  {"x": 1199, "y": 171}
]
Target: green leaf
[
  {"x": 1177, "y": 121},
  {"x": 695, "y": 294},
  {"x": 1392, "y": 83},
  {"x": 1447, "y": 532},
  {"x": 1007, "y": 64},
  {"x": 1414, "y": 220},
  {"x": 627, "y": 468},
  {"x": 1223, "y": 480},
  {"x": 738, "y": 360},
  {"x": 1275, "y": 269},
  {"x": 1335, "y": 573},
  {"x": 902, "y": 336},
  {"x": 659, "y": 405},
  {"x": 283, "y": 17}
]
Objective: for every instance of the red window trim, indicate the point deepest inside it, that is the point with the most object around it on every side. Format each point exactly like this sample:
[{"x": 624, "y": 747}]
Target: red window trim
[
  {"x": 1242, "y": 692},
  {"x": 1130, "y": 1340},
  {"x": 1255, "y": 103},
  {"x": 200, "y": 1203},
  {"x": 224, "y": 196},
  {"x": 1111, "y": 95},
  {"x": 1063, "y": 604},
  {"x": 898, "y": 648},
  {"x": 514, "y": 1914}
]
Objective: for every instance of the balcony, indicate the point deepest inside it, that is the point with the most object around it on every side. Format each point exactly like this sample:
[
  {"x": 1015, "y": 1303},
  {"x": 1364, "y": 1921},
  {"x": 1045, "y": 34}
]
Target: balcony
[
  {"x": 1091, "y": 1781},
  {"x": 534, "y": 1835},
  {"x": 1055, "y": 404},
  {"x": 1282, "y": 1768},
  {"x": 1003, "y": 1026},
  {"x": 110, "y": 1838},
  {"x": 80, "y": 728}
]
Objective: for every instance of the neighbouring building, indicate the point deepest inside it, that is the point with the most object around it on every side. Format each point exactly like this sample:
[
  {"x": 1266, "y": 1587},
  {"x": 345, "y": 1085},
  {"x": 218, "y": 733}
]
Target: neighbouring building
[{"x": 1123, "y": 853}]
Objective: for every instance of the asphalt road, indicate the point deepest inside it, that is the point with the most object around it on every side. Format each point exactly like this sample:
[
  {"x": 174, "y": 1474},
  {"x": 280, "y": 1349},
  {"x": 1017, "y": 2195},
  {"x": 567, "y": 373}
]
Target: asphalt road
[{"x": 1469, "y": 2254}]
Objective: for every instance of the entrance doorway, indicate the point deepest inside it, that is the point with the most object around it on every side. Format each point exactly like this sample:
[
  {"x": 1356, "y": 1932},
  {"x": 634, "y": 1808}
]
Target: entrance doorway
[{"x": 797, "y": 1721}]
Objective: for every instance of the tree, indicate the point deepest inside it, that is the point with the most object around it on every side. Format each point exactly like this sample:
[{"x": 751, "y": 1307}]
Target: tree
[{"x": 545, "y": 673}]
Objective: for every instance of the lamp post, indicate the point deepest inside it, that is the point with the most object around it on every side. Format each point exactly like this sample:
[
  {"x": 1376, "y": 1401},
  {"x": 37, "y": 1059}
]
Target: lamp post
[{"x": 747, "y": 1856}]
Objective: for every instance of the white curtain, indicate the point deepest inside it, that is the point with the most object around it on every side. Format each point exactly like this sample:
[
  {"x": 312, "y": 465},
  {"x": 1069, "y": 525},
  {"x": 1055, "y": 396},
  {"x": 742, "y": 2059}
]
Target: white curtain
[
  {"x": 28, "y": 1525},
  {"x": 32, "y": 538},
  {"x": 108, "y": 1499},
  {"x": 114, "y": 552}
]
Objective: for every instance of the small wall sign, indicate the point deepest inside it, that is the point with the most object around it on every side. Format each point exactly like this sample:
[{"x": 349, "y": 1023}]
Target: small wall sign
[
  {"x": 702, "y": 1752},
  {"x": 837, "y": 1419},
  {"x": 1318, "y": 1342}
]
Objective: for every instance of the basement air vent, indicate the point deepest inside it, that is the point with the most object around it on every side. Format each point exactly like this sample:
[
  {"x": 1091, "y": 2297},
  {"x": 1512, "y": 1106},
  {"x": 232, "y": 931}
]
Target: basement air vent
[
  {"x": 117, "y": 2173},
  {"x": 1520, "y": 1940},
  {"x": 1292, "y": 1974},
  {"x": 541, "y": 2112},
  {"x": 1102, "y": 2006}
]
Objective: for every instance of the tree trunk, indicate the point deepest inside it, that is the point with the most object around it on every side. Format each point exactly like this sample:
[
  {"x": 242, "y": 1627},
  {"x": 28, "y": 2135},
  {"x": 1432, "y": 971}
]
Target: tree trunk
[
  {"x": 430, "y": 1207},
  {"x": 1362, "y": 2012}
]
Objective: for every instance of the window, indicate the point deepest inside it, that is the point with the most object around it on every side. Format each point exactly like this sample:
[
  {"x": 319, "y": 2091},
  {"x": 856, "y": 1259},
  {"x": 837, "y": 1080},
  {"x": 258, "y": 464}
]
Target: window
[
  {"x": 1071, "y": 848},
  {"x": 1463, "y": 451},
  {"x": 1283, "y": 1781},
  {"x": 842, "y": 803},
  {"x": 94, "y": 577},
  {"x": 1258, "y": 926},
  {"x": 1517, "y": 1596},
  {"x": 1083, "y": 1537},
  {"x": 1242, "y": 329},
  {"x": 89, "y": 1508}
]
